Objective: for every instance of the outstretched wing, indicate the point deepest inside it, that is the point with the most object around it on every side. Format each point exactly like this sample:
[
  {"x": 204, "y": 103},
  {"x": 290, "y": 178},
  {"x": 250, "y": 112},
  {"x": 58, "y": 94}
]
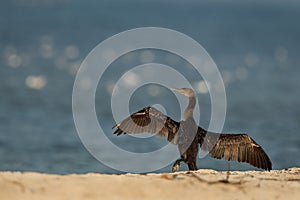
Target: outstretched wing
[
  {"x": 236, "y": 147},
  {"x": 151, "y": 121}
]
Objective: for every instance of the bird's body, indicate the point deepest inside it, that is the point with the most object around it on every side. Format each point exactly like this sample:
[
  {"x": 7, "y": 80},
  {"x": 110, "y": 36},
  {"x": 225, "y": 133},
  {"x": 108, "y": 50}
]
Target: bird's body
[
  {"x": 187, "y": 135},
  {"x": 188, "y": 143}
]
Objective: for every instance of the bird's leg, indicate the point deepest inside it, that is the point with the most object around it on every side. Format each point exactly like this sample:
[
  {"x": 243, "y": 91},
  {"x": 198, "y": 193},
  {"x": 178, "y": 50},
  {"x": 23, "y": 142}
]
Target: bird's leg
[
  {"x": 176, "y": 165},
  {"x": 192, "y": 166},
  {"x": 228, "y": 171}
]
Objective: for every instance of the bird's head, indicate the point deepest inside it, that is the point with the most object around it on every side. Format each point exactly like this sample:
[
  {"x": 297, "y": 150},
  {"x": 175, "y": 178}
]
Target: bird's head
[{"x": 188, "y": 92}]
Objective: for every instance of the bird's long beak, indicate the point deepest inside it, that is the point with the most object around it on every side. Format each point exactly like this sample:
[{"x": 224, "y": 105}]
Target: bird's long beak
[
  {"x": 178, "y": 90},
  {"x": 175, "y": 89}
]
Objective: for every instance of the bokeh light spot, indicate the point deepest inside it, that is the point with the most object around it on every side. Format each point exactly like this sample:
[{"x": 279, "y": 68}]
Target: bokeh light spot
[
  {"x": 36, "y": 82},
  {"x": 251, "y": 59}
]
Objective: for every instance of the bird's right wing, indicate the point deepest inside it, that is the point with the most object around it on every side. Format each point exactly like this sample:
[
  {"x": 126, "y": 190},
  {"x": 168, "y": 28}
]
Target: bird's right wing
[{"x": 151, "y": 121}]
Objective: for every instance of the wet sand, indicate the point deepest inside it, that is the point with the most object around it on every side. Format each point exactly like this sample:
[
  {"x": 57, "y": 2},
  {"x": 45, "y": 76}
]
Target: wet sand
[{"x": 201, "y": 184}]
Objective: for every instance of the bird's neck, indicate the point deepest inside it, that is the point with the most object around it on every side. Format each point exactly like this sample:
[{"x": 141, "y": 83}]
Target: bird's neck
[{"x": 190, "y": 108}]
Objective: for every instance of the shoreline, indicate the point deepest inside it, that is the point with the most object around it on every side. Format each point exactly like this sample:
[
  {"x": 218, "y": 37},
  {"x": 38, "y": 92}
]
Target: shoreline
[{"x": 206, "y": 184}]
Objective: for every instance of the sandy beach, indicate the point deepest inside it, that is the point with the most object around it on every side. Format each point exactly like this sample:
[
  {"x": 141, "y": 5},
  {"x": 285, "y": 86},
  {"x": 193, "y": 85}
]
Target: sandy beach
[{"x": 201, "y": 184}]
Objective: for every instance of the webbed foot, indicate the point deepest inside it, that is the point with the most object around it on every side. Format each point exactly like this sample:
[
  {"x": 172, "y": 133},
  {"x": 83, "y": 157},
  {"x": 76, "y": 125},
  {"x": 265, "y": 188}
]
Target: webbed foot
[{"x": 176, "y": 165}]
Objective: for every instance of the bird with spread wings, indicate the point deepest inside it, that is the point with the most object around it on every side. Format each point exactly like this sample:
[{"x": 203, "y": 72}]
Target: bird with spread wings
[{"x": 188, "y": 136}]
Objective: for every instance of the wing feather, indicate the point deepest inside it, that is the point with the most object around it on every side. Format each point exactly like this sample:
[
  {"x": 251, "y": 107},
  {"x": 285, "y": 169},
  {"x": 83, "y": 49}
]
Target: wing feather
[
  {"x": 237, "y": 147},
  {"x": 149, "y": 120}
]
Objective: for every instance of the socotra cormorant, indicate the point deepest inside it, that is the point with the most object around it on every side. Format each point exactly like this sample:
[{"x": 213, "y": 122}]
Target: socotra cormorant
[{"x": 188, "y": 136}]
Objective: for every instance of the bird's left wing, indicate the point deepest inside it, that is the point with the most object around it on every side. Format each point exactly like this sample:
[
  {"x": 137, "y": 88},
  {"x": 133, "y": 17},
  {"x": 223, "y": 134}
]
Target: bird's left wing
[
  {"x": 151, "y": 121},
  {"x": 236, "y": 147}
]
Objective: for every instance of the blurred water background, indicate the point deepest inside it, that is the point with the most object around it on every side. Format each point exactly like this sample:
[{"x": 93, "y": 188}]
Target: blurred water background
[{"x": 255, "y": 44}]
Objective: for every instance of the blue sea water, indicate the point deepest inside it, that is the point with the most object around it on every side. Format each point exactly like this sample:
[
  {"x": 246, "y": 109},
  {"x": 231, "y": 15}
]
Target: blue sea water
[{"x": 255, "y": 44}]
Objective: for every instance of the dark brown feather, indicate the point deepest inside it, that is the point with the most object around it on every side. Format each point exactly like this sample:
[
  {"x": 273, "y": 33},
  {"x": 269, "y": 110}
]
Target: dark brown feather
[
  {"x": 151, "y": 121},
  {"x": 237, "y": 147}
]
